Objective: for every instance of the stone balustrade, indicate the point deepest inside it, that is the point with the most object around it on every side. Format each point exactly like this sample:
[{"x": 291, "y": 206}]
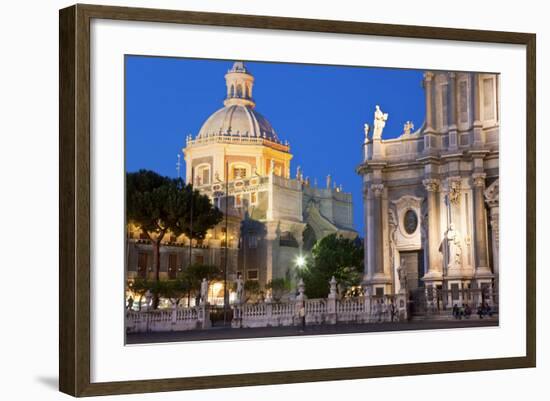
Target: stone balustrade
[
  {"x": 175, "y": 319},
  {"x": 364, "y": 309}
]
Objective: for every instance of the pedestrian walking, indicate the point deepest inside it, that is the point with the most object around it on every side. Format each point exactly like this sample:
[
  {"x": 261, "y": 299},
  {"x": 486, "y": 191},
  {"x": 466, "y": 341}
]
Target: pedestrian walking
[
  {"x": 130, "y": 303},
  {"x": 302, "y": 314}
]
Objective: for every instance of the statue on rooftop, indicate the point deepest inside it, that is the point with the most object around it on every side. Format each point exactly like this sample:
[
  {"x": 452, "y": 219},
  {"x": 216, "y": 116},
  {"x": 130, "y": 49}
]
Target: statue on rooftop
[
  {"x": 408, "y": 127},
  {"x": 380, "y": 119}
]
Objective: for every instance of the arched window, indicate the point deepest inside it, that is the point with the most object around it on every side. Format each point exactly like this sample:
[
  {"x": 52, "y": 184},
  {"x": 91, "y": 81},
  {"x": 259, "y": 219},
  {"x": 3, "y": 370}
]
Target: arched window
[
  {"x": 203, "y": 174},
  {"x": 232, "y": 92},
  {"x": 239, "y": 91}
]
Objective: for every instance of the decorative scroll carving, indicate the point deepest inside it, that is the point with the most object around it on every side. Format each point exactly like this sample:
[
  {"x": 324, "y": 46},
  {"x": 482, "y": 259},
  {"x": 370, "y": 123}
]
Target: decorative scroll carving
[
  {"x": 454, "y": 186},
  {"x": 431, "y": 184}
]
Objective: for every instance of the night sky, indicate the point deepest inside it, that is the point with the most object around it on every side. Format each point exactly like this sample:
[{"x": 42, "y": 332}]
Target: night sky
[{"x": 319, "y": 109}]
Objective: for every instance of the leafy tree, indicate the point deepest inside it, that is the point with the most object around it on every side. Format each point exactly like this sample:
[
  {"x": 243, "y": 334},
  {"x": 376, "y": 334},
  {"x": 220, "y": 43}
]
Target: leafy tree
[
  {"x": 251, "y": 289},
  {"x": 160, "y": 204},
  {"x": 332, "y": 256},
  {"x": 140, "y": 286},
  {"x": 197, "y": 272},
  {"x": 279, "y": 287},
  {"x": 173, "y": 290}
]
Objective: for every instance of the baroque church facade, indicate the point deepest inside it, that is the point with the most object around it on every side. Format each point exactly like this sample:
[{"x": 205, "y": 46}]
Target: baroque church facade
[
  {"x": 431, "y": 196},
  {"x": 270, "y": 218}
]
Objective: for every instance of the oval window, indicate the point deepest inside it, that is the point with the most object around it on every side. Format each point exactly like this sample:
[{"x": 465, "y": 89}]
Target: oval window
[{"x": 410, "y": 221}]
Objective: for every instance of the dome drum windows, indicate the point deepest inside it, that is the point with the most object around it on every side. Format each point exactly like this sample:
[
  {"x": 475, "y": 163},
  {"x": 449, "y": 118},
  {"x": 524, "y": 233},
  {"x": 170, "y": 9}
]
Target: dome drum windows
[
  {"x": 202, "y": 175},
  {"x": 239, "y": 171}
]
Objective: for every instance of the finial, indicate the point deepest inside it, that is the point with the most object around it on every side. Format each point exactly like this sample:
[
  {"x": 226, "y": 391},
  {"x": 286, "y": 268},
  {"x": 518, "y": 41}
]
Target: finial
[{"x": 408, "y": 127}]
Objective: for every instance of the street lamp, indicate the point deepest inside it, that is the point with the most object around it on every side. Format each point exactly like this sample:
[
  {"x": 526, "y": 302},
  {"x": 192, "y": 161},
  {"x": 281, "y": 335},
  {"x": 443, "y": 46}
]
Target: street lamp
[{"x": 300, "y": 261}]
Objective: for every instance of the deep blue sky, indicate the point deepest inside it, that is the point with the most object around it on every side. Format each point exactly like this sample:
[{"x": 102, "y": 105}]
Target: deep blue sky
[{"x": 319, "y": 109}]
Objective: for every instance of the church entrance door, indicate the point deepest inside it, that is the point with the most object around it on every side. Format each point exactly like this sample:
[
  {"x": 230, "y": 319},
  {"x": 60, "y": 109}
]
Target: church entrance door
[{"x": 413, "y": 263}]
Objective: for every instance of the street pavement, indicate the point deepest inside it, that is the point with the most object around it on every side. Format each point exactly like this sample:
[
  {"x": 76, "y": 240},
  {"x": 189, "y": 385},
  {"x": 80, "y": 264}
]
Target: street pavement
[{"x": 227, "y": 333}]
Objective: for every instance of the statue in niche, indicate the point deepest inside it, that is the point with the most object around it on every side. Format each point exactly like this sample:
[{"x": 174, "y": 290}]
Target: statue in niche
[
  {"x": 455, "y": 246},
  {"x": 454, "y": 191},
  {"x": 402, "y": 276}
]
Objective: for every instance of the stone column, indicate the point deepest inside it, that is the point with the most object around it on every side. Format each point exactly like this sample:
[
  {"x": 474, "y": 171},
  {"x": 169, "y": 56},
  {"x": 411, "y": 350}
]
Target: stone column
[
  {"x": 429, "y": 132},
  {"x": 428, "y": 86},
  {"x": 453, "y": 134},
  {"x": 378, "y": 260},
  {"x": 369, "y": 235},
  {"x": 480, "y": 226},
  {"x": 434, "y": 265}
]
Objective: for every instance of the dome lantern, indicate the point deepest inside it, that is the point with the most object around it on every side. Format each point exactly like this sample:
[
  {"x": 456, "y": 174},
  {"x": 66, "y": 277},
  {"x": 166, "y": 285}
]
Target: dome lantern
[{"x": 239, "y": 84}]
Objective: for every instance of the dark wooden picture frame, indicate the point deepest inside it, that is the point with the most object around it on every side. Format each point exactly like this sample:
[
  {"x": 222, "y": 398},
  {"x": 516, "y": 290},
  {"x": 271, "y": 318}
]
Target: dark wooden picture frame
[{"x": 74, "y": 204}]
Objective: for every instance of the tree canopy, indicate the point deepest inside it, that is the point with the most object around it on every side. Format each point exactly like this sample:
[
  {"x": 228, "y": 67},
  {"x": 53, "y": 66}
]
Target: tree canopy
[
  {"x": 159, "y": 204},
  {"x": 332, "y": 256}
]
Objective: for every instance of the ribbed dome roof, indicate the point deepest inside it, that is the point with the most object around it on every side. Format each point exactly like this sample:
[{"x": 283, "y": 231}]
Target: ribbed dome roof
[{"x": 238, "y": 120}]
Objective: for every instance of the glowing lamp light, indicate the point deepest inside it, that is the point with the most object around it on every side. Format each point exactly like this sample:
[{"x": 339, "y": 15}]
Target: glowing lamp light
[{"x": 300, "y": 261}]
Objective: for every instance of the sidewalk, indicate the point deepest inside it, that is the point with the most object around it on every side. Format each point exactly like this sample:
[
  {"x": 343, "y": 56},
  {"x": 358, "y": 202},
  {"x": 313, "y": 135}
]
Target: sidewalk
[{"x": 226, "y": 333}]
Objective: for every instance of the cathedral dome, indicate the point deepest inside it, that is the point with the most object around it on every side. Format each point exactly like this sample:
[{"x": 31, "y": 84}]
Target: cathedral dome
[
  {"x": 238, "y": 117},
  {"x": 238, "y": 120}
]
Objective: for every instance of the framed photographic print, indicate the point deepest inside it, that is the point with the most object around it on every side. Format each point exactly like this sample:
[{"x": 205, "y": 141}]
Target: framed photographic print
[{"x": 236, "y": 190}]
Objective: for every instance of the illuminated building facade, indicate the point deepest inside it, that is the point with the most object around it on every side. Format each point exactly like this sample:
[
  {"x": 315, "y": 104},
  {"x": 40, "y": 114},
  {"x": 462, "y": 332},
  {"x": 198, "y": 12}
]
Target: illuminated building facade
[
  {"x": 242, "y": 165},
  {"x": 431, "y": 196}
]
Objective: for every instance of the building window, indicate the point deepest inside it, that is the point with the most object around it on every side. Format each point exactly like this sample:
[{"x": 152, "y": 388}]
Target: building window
[
  {"x": 239, "y": 172},
  {"x": 238, "y": 200},
  {"x": 254, "y": 198},
  {"x": 252, "y": 275},
  {"x": 203, "y": 175}
]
